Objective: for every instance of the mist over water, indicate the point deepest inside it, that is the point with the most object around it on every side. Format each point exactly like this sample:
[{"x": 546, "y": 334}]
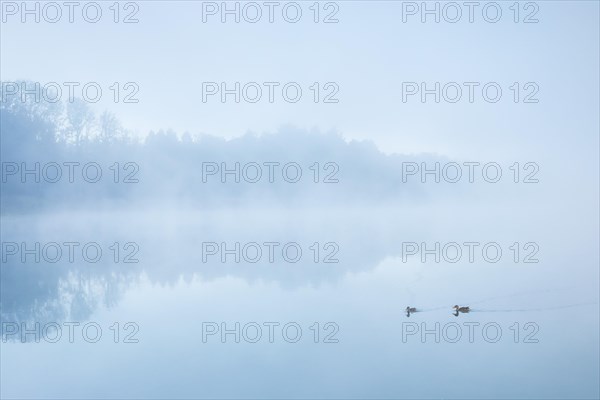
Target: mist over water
[{"x": 271, "y": 250}]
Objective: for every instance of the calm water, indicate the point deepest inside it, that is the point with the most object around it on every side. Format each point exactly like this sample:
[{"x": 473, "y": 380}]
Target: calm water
[{"x": 540, "y": 319}]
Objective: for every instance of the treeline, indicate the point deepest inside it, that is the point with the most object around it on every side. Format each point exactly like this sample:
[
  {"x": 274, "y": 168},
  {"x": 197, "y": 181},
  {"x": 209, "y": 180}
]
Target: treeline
[{"x": 63, "y": 155}]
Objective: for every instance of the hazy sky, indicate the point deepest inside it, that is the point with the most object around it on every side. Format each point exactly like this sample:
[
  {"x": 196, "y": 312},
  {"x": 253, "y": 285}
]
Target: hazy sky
[{"x": 170, "y": 52}]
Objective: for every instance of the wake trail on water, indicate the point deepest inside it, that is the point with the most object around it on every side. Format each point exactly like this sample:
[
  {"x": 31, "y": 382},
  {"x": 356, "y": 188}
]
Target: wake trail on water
[
  {"x": 537, "y": 309},
  {"x": 508, "y": 297}
]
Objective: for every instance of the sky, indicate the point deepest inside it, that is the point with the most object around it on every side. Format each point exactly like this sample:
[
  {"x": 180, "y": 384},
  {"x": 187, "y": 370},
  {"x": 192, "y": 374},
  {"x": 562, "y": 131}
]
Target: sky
[{"x": 368, "y": 54}]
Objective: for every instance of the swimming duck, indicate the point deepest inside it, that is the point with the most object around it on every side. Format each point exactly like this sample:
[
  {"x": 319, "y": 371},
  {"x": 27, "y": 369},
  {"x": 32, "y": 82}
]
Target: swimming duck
[
  {"x": 462, "y": 309},
  {"x": 410, "y": 310},
  {"x": 458, "y": 309}
]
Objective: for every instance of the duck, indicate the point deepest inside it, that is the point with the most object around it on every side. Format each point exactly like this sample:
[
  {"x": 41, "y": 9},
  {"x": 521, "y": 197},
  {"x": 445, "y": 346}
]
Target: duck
[
  {"x": 458, "y": 309},
  {"x": 410, "y": 310},
  {"x": 462, "y": 309}
]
